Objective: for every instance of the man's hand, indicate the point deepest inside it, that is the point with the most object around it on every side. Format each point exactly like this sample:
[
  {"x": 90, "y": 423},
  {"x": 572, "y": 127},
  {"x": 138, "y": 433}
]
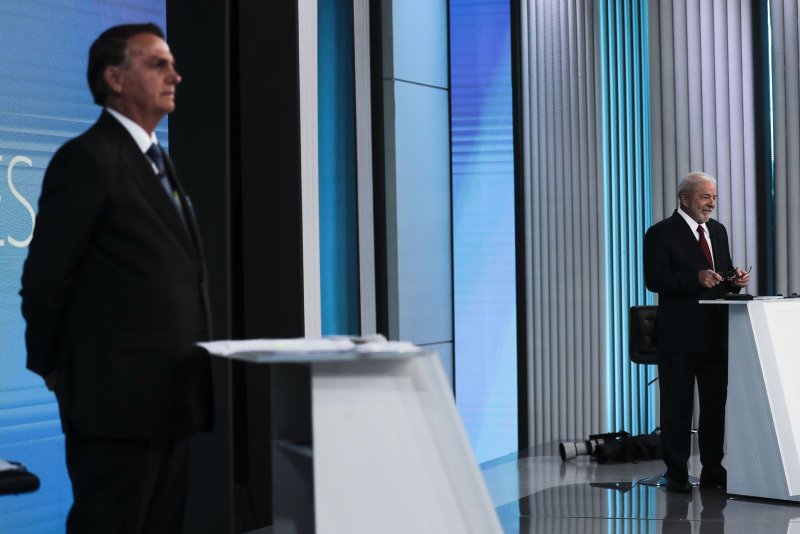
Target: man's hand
[
  {"x": 708, "y": 278},
  {"x": 742, "y": 278},
  {"x": 51, "y": 380}
]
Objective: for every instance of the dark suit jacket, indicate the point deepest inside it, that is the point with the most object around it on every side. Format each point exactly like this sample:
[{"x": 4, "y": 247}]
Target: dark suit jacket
[
  {"x": 114, "y": 293},
  {"x": 672, "y": 260}
]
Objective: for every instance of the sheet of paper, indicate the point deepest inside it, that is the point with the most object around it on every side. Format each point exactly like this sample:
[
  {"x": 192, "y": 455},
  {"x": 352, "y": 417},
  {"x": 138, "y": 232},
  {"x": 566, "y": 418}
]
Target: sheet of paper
[
  {"x": 387, "y": 346},
  {"x": 327, "y": 344}
]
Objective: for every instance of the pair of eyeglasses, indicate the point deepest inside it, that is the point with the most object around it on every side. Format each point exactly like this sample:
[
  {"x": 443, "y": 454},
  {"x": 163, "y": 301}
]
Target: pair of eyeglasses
[{"x": 733, "y": 275}]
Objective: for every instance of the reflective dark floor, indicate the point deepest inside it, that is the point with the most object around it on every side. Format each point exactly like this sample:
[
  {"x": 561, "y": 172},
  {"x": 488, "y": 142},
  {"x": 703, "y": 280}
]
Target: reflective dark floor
[{"x": 535, "y": 492}]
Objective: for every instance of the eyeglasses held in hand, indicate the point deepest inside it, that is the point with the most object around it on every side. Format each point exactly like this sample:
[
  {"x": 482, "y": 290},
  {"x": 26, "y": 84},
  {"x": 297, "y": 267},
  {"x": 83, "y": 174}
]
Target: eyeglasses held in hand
[{"x": 733, "y": 275}]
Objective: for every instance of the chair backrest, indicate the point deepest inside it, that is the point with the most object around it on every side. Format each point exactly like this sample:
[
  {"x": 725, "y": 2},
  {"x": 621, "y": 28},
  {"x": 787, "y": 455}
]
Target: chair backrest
[{"x": 642, "y": 346}]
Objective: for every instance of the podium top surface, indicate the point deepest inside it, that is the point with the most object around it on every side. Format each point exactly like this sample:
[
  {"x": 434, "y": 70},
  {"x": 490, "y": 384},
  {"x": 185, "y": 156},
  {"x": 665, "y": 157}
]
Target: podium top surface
[
  {"x": 310, "y": 350},
  {"x": 314, "y": 357},
  {"x": 758, "y": 300}
]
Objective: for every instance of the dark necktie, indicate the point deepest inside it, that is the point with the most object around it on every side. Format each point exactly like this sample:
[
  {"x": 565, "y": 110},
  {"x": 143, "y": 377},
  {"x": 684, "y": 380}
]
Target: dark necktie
[
  {"x": 157, "y": 157},
  {"x": 704, "y": 246}
]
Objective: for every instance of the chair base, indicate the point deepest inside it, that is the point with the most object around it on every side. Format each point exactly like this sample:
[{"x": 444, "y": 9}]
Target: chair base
[
  {"x": 660, "y": 480},
  {"x": 16, "y": 479}
]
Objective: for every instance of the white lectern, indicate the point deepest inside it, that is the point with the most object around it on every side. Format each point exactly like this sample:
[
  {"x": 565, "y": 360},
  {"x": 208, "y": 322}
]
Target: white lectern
[
  {"x": 762, "y": 432},
  {"x": 383, "y": 450}
]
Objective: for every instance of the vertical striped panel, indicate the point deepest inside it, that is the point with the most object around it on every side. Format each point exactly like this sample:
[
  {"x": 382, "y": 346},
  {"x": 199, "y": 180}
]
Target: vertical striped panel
[
  {"x": 702, "y": 111},
  {"x": 565, "y": 226},
  {"x": 786, "y": 128},
  {"x": 626, "y": 172}
]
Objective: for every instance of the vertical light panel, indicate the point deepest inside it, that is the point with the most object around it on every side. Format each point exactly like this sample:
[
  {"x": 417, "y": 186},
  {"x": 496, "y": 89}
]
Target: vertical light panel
[
  {"x": 346, "y": 215},
  {"x": 44, "y": 101},
  {"x": 627, "y": 209},
  {"x": 338, "y": 232},
  {"x": 362, "y": 55},
  {"x": 309, "y": 163},
  {"x": 483, "y": 224}
]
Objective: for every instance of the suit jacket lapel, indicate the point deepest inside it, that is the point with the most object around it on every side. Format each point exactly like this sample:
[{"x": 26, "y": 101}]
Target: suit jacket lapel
[
  {"x": 186, "y": 206},
  {"x": 689, "y": 240},
  {"x": 719, "y": 252},
  {"x": 142, "y": 175},
  {"x": 191, "y": 226}
]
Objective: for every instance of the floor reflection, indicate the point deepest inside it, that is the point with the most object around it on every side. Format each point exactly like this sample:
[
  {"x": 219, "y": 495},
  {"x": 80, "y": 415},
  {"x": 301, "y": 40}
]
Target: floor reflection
[{"x": 630, "y": 508}]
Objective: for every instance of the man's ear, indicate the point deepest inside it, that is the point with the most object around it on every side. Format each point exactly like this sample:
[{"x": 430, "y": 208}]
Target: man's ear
[
  {"x": 113, "y": 79},
  {"x": 682, "y": 200}
]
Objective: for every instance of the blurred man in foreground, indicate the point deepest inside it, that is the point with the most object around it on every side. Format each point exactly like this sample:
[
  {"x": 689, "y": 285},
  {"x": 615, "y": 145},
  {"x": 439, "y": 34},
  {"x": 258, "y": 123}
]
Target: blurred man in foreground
[{"x": 114, "y": 296}]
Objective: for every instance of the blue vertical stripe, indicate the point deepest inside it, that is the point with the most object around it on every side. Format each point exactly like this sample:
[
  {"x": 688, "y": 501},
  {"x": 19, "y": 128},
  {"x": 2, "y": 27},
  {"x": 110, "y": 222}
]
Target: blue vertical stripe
[
  {"x": 338, "y": 224},
  {"x": 626, "y": 174},
  {"x": 484, "y": 278}
]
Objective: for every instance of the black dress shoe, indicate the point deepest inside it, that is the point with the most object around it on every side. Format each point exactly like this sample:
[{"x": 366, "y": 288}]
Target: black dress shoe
[
  {"x": 678, "y": 486},
  {"x": 711, "y": 483},
  {"x": 714, "y": 478}
]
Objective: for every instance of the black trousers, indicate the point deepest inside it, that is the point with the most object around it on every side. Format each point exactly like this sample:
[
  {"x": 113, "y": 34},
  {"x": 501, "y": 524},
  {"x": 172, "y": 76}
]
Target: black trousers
[
  {"x": 677, "y": 373},
  {"x": 126, "y": 485}
]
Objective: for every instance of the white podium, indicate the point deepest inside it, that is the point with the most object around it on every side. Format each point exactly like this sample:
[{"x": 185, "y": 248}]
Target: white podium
[
  {"x": 384, "y": 449},
  {"x": 762, "y": 428}
]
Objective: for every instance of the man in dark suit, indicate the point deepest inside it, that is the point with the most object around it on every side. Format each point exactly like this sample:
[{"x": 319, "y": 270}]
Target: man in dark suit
[
  {"x": 114, "y": 296},
  {"x": 687, "y": 259}
]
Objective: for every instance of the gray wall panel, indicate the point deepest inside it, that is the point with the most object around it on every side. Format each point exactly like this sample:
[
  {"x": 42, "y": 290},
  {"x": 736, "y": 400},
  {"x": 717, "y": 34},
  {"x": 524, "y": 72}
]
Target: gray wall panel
[
  {"x": 417, "y": 172},
  {"x": 422, "y": 189},
  {"x": 418, "y": 41}
]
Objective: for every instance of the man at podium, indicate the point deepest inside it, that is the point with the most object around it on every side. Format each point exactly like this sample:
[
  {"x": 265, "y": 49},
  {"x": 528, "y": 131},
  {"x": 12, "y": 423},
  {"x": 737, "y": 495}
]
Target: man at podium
[{"x": 687, "y": 259}]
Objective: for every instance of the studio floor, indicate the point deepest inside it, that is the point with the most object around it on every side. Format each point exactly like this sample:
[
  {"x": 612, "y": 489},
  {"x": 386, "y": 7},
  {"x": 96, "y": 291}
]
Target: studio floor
[{"x": 535, "y": 492}]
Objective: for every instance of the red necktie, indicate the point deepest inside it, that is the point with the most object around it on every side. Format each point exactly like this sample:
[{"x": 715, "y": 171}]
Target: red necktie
[{"x": 704, "y": 246}]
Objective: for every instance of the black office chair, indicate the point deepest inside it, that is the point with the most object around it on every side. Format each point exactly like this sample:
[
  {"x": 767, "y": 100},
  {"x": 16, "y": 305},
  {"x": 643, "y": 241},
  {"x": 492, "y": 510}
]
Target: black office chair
[
  {"x": 642, "y": 349},
  {"x": 642, "y": 335}
]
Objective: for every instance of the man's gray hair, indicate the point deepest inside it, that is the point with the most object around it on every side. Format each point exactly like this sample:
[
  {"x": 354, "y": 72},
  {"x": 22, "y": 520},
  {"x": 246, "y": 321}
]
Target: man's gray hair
[{"x": 692, "y": 180}]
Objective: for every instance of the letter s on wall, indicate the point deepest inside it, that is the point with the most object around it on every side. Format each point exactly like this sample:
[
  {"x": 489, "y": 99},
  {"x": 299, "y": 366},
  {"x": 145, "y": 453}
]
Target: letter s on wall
[{"x": 21, "y": 159}]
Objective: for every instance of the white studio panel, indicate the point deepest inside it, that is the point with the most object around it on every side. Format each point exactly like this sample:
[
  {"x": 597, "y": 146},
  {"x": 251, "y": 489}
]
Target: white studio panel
[
  {"x": 390, "y": 453},
  {"x": 777, "y": 337},
  {"x": 762, "y": 426}
]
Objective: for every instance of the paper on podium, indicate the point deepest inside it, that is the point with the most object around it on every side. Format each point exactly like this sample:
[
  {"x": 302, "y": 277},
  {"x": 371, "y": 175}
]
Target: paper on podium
[
  {"x": 296, "y": 345},
  {"x": 386, "y": 346}
]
